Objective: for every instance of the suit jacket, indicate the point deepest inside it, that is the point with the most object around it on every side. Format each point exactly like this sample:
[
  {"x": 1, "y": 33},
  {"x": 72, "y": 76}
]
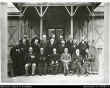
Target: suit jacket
[
  {"x": 83, "y": 47},
  {"x": 43, "y": 44},
  {"x": 30, "y": 58},
  {"x": 55, "y": 58},
  {"x": 50, "y": 47},
  {"x": 15, "y": 54},
  {"x": 66, "y": 58},
  {"x": 36, "y": 49},
  {"x": 42, "y": 58},
  {"x": 61, "y": 49}
]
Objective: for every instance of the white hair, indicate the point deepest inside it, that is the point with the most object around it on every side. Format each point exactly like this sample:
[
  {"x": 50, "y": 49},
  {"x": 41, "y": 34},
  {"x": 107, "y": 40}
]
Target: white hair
[{"x": 30, "y": 48}]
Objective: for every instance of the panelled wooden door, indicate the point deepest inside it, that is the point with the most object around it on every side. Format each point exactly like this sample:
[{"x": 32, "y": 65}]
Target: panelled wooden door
[
  {"x": 12, "y": 35},
  {"x": 13, "y": 31}
]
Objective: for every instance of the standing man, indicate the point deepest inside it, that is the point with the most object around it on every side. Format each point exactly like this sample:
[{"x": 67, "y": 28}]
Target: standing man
[
  {"x": 51, "y": 44},
  {"x": 43, "y": 42},
  {"x": 69, "y": 45},
  {"x": 24, "y": 45},
  {"x": 83, "y": 45},
  {"x": 59, "y": 40},
  {"x": 15, "y": 54},
  {"x": 61, "y": 48},
  {"x": 36, "y": 47}
]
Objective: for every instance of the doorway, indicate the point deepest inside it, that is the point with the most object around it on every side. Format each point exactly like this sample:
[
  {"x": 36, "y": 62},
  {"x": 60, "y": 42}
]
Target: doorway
[
  {"x": 56, "y": 21},
  {"x": 56, "y": 32}
]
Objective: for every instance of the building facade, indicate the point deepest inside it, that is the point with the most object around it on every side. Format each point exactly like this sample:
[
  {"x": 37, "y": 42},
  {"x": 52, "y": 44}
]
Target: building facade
[{"x": 72, "y": 21}]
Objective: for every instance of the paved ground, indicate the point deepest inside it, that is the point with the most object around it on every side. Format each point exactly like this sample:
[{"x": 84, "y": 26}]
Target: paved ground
[{"x": 57, "y": 79}]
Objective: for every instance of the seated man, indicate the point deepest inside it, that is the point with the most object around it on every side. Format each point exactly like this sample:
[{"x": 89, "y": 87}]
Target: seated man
[
  {"x": 76, "y": 62},
  {"x": 54, "y": 62},
  {"x": 66, "y": 59},
  {"x": 30, "y": 61},
  {"x": 92, "y": 53},
  {"x": 42, "y": 62}
]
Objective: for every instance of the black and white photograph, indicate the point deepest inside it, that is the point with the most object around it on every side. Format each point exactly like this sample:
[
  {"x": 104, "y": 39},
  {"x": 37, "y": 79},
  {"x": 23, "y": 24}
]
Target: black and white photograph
[{"x": 53, "y": 42}]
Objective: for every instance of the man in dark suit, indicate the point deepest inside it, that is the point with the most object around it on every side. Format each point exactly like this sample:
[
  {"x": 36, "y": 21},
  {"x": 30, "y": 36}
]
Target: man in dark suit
[
  {"x": 51, "y": 44},
  {"x": 54, "y": 62},
  {"x": 36, "y": 47},
  {"x": 59, "y": 40},
  {"x": 16, "y": 57},
  {"x": 42, "y": 62},
  {"x": 49, "y": 48},
  {"x": 30, "y": 60},
  {"x": 76, "y": 66},
  {"x": 24, "y": 45},
  {"x": 83, "y": 45},
  {"x": 69, "y": 45},
  {"x": 60, "y": 50},
  {"x": 43, "y": 42},
  {"x": 61, "y": 47}
]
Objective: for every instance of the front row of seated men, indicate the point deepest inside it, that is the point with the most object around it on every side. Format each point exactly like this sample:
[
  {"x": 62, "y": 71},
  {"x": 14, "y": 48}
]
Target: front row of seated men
[{"x": 49, "y": 59}]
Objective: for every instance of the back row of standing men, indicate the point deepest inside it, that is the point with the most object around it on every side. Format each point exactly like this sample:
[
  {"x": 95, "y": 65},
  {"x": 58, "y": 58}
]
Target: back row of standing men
[{"x": 49, "y": 56}]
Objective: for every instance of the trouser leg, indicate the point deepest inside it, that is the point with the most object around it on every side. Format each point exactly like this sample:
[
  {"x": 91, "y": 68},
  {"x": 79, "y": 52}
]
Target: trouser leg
[
  {"x": 61, "y": 67},
  {"x": 33, "y": 68},
  {"x": 65, "y": 69},
  {"x": 39, "y": 68},
  {"x": 56, "y": 69},
  {"x": 45, "y": 68},
  {"x": 27, "y": 69},
  {"x": 42, "y": 68}
]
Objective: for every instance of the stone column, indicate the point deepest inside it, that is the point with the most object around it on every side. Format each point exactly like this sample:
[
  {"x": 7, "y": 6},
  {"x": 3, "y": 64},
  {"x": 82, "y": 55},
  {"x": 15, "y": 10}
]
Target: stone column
[
  {"x": 4, "y": 41},
  {"x": 20, "y": 27},
  {"x": 41, "y": 27},
  {"x": 71, "y": 23},
  {"x": 106, "y": 42}
]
